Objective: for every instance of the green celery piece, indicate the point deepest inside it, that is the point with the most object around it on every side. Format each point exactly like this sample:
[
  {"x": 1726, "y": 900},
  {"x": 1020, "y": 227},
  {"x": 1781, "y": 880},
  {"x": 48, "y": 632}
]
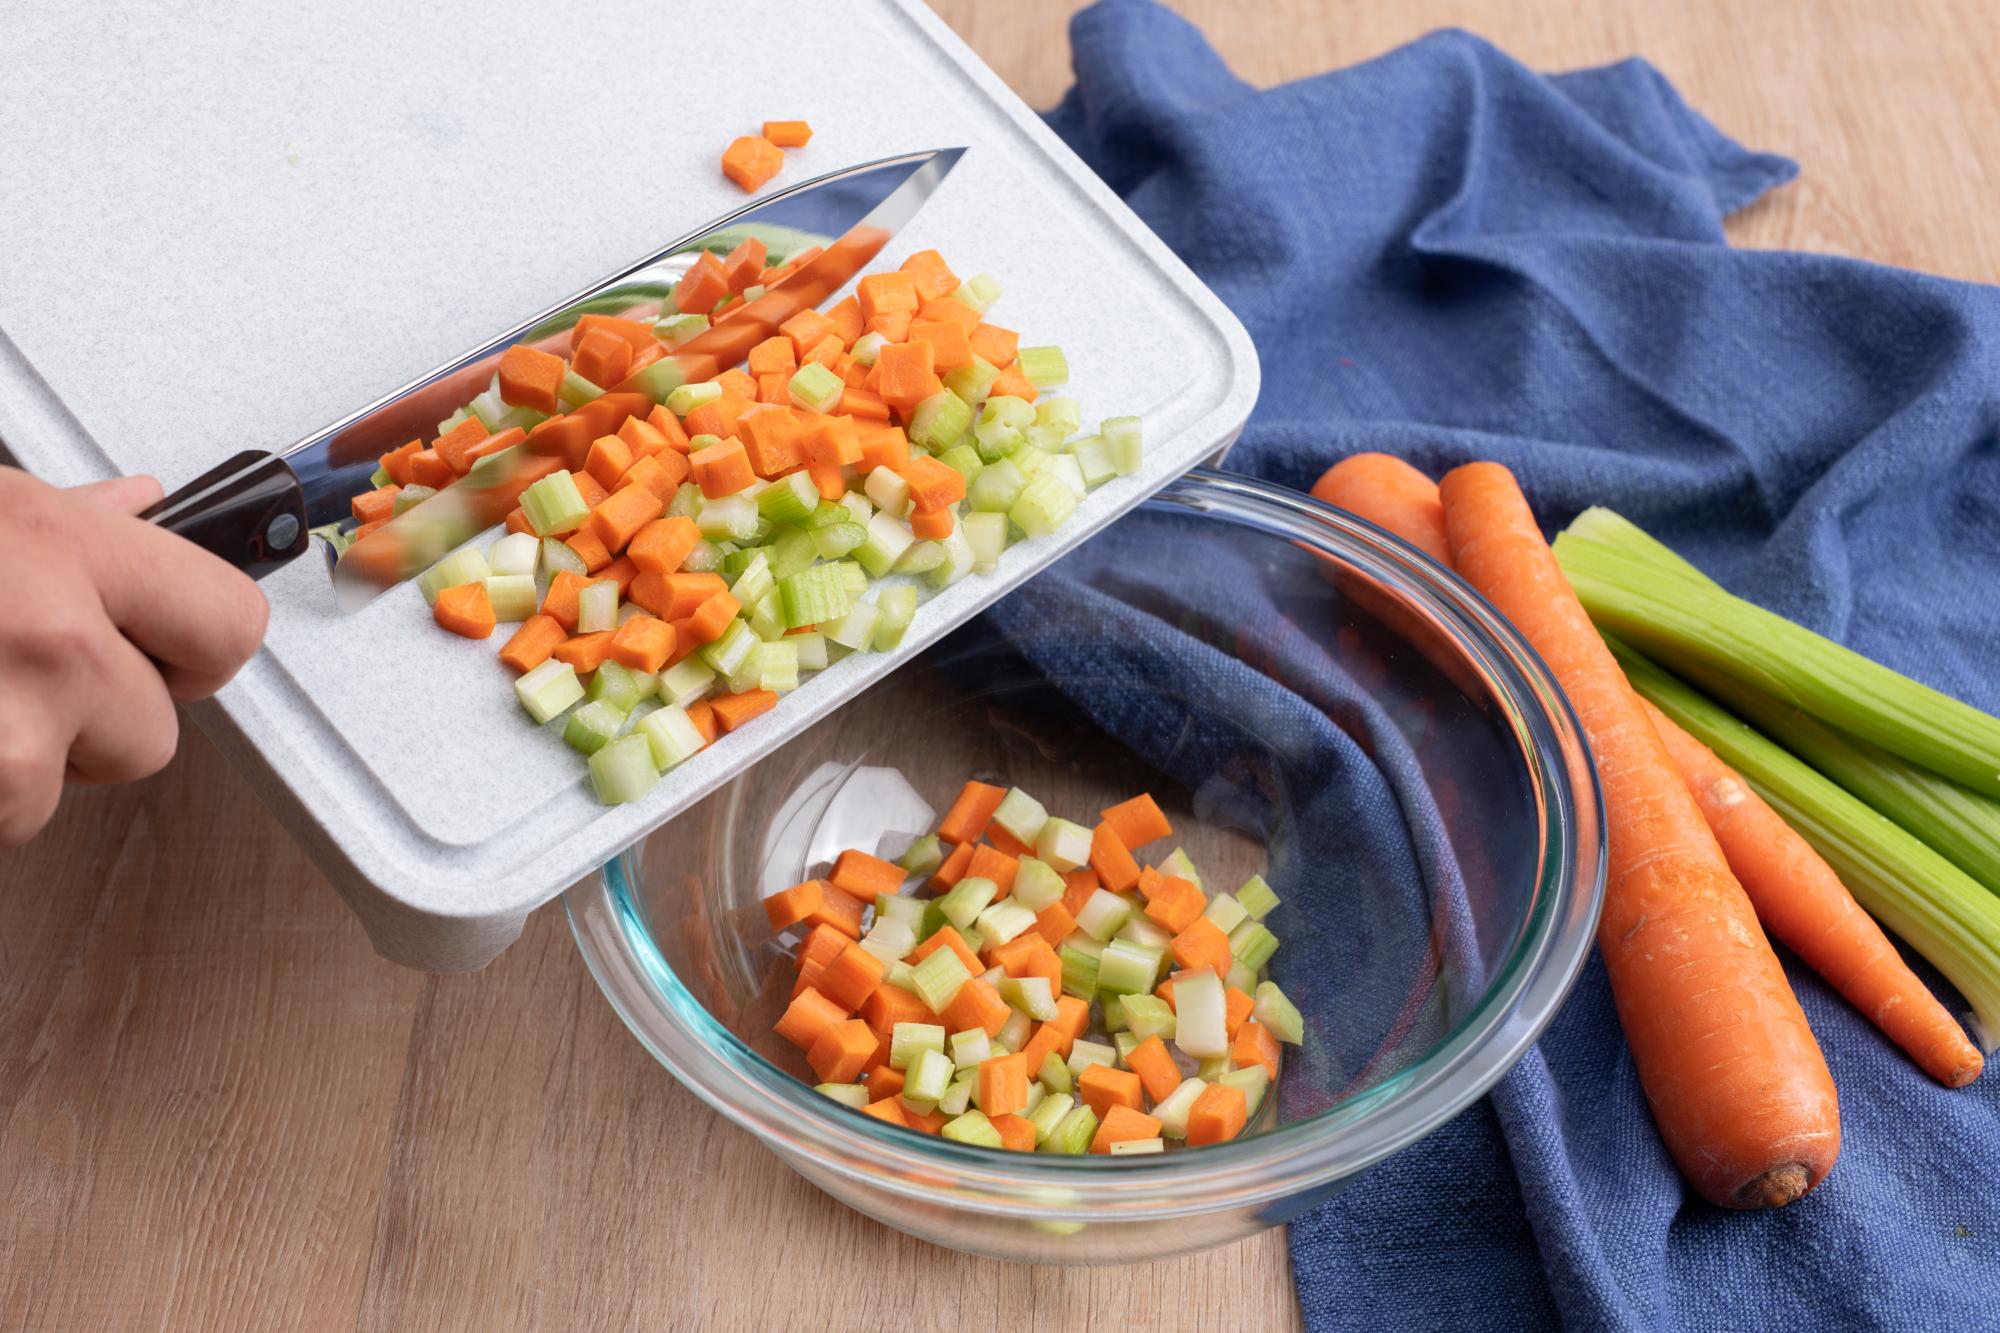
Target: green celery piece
[
  {"x": 925, "y": 855},
  {"x": 554, "y": 504},
  {"x": 778, "y": 667},
  {"x": 814, "y": 388},
  {"x": 791, "y": 551},
  {"x": 686, "y": 681},
  {"x": 677, "y": 329},
  {"x": 1126, "y": 968},
  {"x": 938, "y": 977},
  {"x": 1093, "y": 461},
  {"x": 672, "y": 734},
  {"x": 929, "y": 1075},
  {"x": 967, "y": 899},
  {"x": 888, "y": 537},
  {"x": 979, "y": 291},
  {"x": 409, "y": 498},
  {"x": 1257, "y": 898},
  {"x": 548, "y": 689},
  {"x": 728, "y": 653},
  {"x": 921, "y": 558},
  {"x": 467, "y": 565},
  {"x": 940, "y": 421},
  {"x": 813, "y": 596},
  {"x": 1054, "y": 1074},
  {"x": 513, "y": 596},
  {"x": 620, "y": 686},
  {"x": 856, "y": 629},
  {"x": 1021, "y": 815},
  {"x": 1148, "y": 1016},
  {"x": 1045, "y": 367},
  {"x": 957, "y": 561},
  {"x": 986, "y": 536},
  {"x": 749, "y": 586},
  {"x": 593, "y": 726},
  {"x": 576, "y": 390},
  {"x": 1122, "y": 445},
  {"x": 1172, "y": 1110},
  {"x": 1225, "y": 912},
  {"x": 1079, "y": 972},
  {"x": 909, "y": 1040},
  {"x": 623, "y": 770},
  {"x": 811, "y": 650},
  {"x": 1050, "y": 1112},
  {"x": 847, "y": 1094},
  {"x": 1045, "y": 504},
  {"x": 789, "y": 499},
  {"x": 838, "y": 539},
  {"x": 970, "y": 383},
  {"x": 896, "y": 606},
  {"x": 1252, "y": 945},
  {"x": 1253, "y": 1081},
  {"x": 688, "y": 397},
  {"x": 1278, "y": 1013},
  {"x": 1072, "y": 1135},
  {"x": 1057, "y": 419},
  {"x": 996, "y": 488},
  {"x": 1036, "y": 886}
]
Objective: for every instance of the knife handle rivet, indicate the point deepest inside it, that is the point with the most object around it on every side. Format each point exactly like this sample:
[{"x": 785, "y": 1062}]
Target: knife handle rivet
[{"x": 284, "y": 530}]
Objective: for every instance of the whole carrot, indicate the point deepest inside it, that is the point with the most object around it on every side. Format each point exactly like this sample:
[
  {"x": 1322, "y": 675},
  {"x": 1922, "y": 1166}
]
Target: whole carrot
[
  {"x": 1390, "y": 494},
  {"x": 1803, "y": 902},
  {"x": 1737, "y": 1084}
]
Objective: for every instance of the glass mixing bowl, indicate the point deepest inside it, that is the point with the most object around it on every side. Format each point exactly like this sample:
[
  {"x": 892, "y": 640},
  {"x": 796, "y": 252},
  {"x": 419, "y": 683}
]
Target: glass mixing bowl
[{"x": 1429, "y": 931}]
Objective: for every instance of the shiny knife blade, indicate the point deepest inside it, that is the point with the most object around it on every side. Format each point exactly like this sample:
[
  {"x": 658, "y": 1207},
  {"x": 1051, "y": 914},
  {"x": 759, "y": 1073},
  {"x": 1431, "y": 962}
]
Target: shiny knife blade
[{"x": 851, "y": 214}]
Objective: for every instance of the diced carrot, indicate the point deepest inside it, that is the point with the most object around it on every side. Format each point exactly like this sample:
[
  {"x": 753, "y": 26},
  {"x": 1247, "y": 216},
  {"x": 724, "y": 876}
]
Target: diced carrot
[
  {"x": 529, "y": 377},
  {"x": 660, "y": 473},
  {"x": 465, "y": 610},
  {"x": 836, "y": 909},
  {"x": 608, "y": 460},
  {"x": 1155, "y": 1066},
  {"x": 427, "y": 469},
  {"x": 1010, "y": 844},
  {"x": 1002, "y": 1084},
  {"x": 643, "y": 644},
  {"x": 1100, "y": 1087},
  {"x": 933, "y": 485},
  {"x": 560, "y": 601},
  {"x": 1109, "y": 857},
  {"x": 947, "y": 937},
  {"x": 752, "y": 160},
  {"x": 486, "y": 448},
  {"x": 585, "y": 652},
  {"x": 602, "y": 357},
  {"x": 637, "y": 333},
  {"x": 533, "y": 642},
  {"x": 930, "y": 276},
  {"x": 1029, "y": 955},
  {"x": 1201, "y": 944},
  {"x": 661, "y": 545},
  {"x": 933, "y": 524},
  {"x": 1254, "y": 1045},
  {"x": 788, "y": 907},
  {"x": 1165, "y": 990},
  {"x": 943, "y": 310},
  {"x": 376, "y": 505},
  {"x": 1041, "y": 1043},
  {"x": 883, "y": 446},
  {"x": 848, "y": 324},
  {"x": 1137, "y": 821},
  {"x": 807, "y": 1018},
  {"x": 852, "y": 373},
  {"x": 737, "y": 383},
  {"x": 586, "y": 486},
  {"x": 826, "y": 352},
  {"x": 805, "y": 329},
  {"x": 517, "y": 521},
  {"x": 1016, "y": 1134},
  {"x": 864, "y": 404},
  {"x": 890, "y": 1110},
  {"x": 852, "y": 977},
  {"x": 950, "y": 348},
  {"x": 996, "y": 346},
  {"x": 619, "y": 518},
  {"x": 905, "y": 375},
  {"x": 1122, "y": 1124},
  {"x": 1078, "y": 885},
  {"x": 842, "y": 1051},
  {"x": 1055, "y": 923},
  {"x": 722, "y": 469},
  {"x": 662, "y": 419},
  {"x": 1236, "y": 1008},
  {"x": 1176, "y": 904},
  {"x": 453, "y": 444},
  {"x": 708, "y": 621},
  {"x": 701, "y": 286},
  {"x": 594, "y": 554},
  {"x": 829, "y": 441},
  {"x": 952, "y": 870},
  {"x": 970, "y": 812},
  {"x": 742, "y": 265},
  {"x": 620, "y": 571},
  {"x": 994, "y": 864},
  {"x": 774, "y": 387},
  {"x": 977, "y": 1005},
  {"x": 924, "y": 1122},
  {"x": 772, "y": 436},
  {"x": 569, "y": 437},
  {"x": 889, "y": 1005},
  {"x": 1217, "y": 1115},
  {"x": 733, "y": 710},
  {"x": 775, "y": 355},
  {"x": 397, "y": 461},
  {"x": 882, "y": 1080},
  {"x": 883, "y": 293},
  {"x": 685, "y": 594},
  {"x": 788, "y": 133},
  {"x": 822, "y": 943},
  {"x": 702, "y": 714},
  {"x": 866, "y": 876},
  {"x": 1011, "y": 383},
  {"x": 642, "y": 437},
  {"x": 893, "y": 325}
]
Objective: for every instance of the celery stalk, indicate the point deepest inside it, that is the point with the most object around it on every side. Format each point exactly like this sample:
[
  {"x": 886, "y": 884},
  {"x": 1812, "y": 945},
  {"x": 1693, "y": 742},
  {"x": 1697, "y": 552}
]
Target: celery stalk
[
  {"x": 896, "y": 607},
  {"x": 623, "y": 770},
  {"x": 1073, "y": 1133},
  {"x": 847, "y": 1094},
  {"x": 938, "y": 978},
  {"x": 1201, "y": 1016},
  {"x": 1065, "y": 846},
  {"x": 593, "y": 726},
  {"x": 967, "y": 899},
  {"x": 1278, "y": 1013},
  {"x": 814, "y": 388},
  {"x": 548, "y": 689},
  {"x": 1036, "y": 886},
  {"x": 1050, "y": 1112},
  {"x": 909, "y": 1040},
  {"x": 672, "y": 734},
  {"x": 461, "y": 566},
  {"x": 925, "y": 855},
  {"x": 1257, "y": 898},
  {"x": 554, "y": 504},
  {"x": 1172, "y": 1110}
]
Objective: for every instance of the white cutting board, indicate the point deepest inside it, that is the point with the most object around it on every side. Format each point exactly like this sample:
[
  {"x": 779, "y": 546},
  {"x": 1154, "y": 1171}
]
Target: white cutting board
[{"x": 223, "y": 227}]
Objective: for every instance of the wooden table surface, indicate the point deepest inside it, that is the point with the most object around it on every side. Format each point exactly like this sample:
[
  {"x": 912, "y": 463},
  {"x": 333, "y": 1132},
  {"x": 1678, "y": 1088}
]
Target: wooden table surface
[{"x": 218, "y": 1108}]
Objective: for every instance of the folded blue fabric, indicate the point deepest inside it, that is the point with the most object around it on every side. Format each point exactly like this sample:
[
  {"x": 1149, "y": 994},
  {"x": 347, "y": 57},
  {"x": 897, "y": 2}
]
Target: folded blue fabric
[{"x": 1443, "y": 255}]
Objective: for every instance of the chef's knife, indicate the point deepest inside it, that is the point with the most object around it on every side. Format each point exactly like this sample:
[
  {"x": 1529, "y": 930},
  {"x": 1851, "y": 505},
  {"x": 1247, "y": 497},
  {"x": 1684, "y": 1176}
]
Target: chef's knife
[{"x": 257, "y": 509}]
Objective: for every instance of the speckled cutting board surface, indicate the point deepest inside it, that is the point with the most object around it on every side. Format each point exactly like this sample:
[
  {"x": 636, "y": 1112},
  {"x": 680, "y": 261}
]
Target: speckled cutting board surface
[{"x": 222, "y": 228}]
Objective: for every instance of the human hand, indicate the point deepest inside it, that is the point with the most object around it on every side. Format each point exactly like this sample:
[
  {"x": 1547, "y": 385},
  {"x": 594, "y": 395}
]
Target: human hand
[{"x": 109, "y": 620}]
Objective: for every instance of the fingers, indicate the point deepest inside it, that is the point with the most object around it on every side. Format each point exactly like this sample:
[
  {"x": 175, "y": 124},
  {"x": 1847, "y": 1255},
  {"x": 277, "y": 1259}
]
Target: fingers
[
  {"x": 127, "y": 495},
  {"x": 31, "y": 769},
  {"x": 129, "y": 730},
  {"x": 195, "y": 615}
]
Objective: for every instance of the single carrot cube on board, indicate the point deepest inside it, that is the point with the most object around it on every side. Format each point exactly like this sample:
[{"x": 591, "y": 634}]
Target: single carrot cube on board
[
  {"x": 953, "y": 868},
  {"x": 608, "y": 460},
  {"x": 722, "y": 469},
  {"x": 587, "y": 486},
  {"x": 643, "y": 644},
  {"x": 687, "y": 592},
  {"x": 775, "y": 387},
  {"x": 977, "y": 1005},
  {"x": 517, "y": 521},
  {"x": 1055, "y": 923},
  {"x": 1041, "y": 1044},
  {"x": 775, "y": 355},
  {"x": 772, "y": 438},
  {"x": 1113, "y": 862},
  {"x": 602, "y": 357},
  {"x": 642, "y": 437},
  {"x": 584, "y": 652},
  {"x": 465, "y": 610},
  {"x": 826, "y": 352},
  {"x": 620, "y": 517},
  {"x": 594, "y": 554},
  {"x": 1100, "y": 1087},
  {"x": 1002, "y": 1085},
  {"x": 830, "y": 442},
  {"x": 866, "y": 876},
  {"x": 733, "y": 710},
  {"x": 883, "y": 293},
  {"x": 637, "y": 333},
  {"x": 822, "y": 943},
  {"x": 788, "y": 907},
  {"x": 942, "y": 310},
  {"x": 930, "y": 276},
  {"x": 1137, "y": 821},
  {"x": 788, "y": 133},
  {"x": 933, "y": 524},
  {"x": 994, "y": 864},
  {"x": 996, "y": 346},
  {"x": 950, "y": 348},
  {"x": 1217, "y": 1115},
  {"x": 533, "y": 642},
  {"x": 1016, "y": 1134},
  {"x": 529, "y": 377},
  {"x": 883, "y": 446},
  {"x": 1033, "y": 958},
  {"x": 660, "y": 473},
  {"x": 1123, "y": 1124},
  {"x": 842, "y": 1051},
  {"x": 752, "y": 160},
  {"x": 805, "y": 329},
  {"x": 376, "y": 505},
  {"x": 947, "y": 937},
  {"x": 661, "y": 545},
  {"x": 1154, "y": 1064},
  {"x": 662, "y": 419},
  {"x": 851, "y": 977},
  {"x": 1201, "y": 944},
  {"x": 807, "y": 1017},
  {"x": 1254, "y": 1045},
  {"x": 864, "y": 405},
  {"x": 904, "y": 375},
  {"x": 890, "y": 1111}
]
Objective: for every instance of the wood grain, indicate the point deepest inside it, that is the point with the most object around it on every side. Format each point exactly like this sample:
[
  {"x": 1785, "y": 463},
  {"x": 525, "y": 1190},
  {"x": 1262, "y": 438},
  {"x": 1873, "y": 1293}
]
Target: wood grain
[{"x": 218, "y": 1109}]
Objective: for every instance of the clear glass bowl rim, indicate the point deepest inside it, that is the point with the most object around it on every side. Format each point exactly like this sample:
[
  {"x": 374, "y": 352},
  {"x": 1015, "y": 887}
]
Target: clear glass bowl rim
[{"x": 1286, "y": 1161}]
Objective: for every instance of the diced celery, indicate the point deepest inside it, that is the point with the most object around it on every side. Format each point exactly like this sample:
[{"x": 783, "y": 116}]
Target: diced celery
[
  {"x": 921, "y": 558},
  {"x": 778, "y": 669},
  {"x": 594, "y": 726},
  {"x": 925, "y": 855},
  {"x": 1126, "y": 968},
  {"x": 730, "y": 651},
  {"x": 1032, "y": 996},
  {"x": 409, "y": 498},
  {"x": 1005, "y": 920},
  {"x": 1225, "y": 911},
  {"x": 575, "y": 390},
  {"x": 967, "y": 899},
  {"x": 597, "y": 607},
  {"x": 1147, "y": 1016},
  {"x": 1052, "y": 1108},
  {"x": 974, "y": 1128},
  {"x": 1035, "y": 1094},
  {"x": 1138, "y": 1147},
  {"x": 1057, "y": 419},
  {"x": 1036, "y": 886},
  {"x": 1179, "y": 866},
  {"x": 996, "y": 488},
  {"x": 897, "y": 606},
  {"x": 1108, "y": 1004},
  {"x": 462, "y": 566},
  {"x": 554, "y": 504},
  {"x": 559, "y": 557},
  {"x": 1093, "y": 461},
  {"x": 814, "y": 388},
  {"x": 1213, "y": 1068},
  {"x": 1021, "y": 815},
  {"x": 900, "y": 974},
  {"x": 866, "y": 348},
  {"x": 979, "y": 291},
  {"x": 678, "y": 329},
  {"x": 514, "y": 553},
  {"x": 970, "y": 1047},
  {"x": 856, "y": 629},
  {"x": 1000, "y": 427},
  {"x": 753, "y": 581},
  {"x": 705, "y": 558},
  {"x": 489, "y": 407},
  {"x": 970, "y": 383},
  {"x": 859, "y": 506},
  {"x": 939, "y": 977},
  {"x": 889, "y": 940},
  {"x": 744, "y": 677},
  {"x": 1172, "y": 1110},
  {"x": 791, "y": 551},
  {"x": 1031, "y": 460},
  {"x": 1045, "y": 367},
  {"x": 1079, "y": 971},
  {"x": 929, "y": 1074},
  {"x": 887, "y": 491},
  {"x": 847, "y": 1094},
  {"x": 1251, "y": 945},
  {"x": 1072, "y": 1135},
  {"x": 888, "y": 537},
  {"x": 838, "y": 539},
  {"x": 742, "y": 558},
  {"x": 672, "y": 734},
  {"x": 1200, "y": 1015},
  {"x": 454, "y": 421},
  {"x": 1253, "y": 1081},
  {"x": 1054, "y": 1074},
  {"x": 958, "y": 1096},
  {"x": 1121, "y": 438},
  {"x": 1239, "y": 977},
  {"x": 1045, "y": 504},
  {"x": 623, "y": 770},
  {"x": 941, "y": 420},
  {"x": 1065, "y": 846},
  {"x": 511, "y": 595},
  {"x": 730, "y": 517},
  {"x": 620, "y": 686},
  {"x": 1256, "y": 897},
  {"x": 964, "y": 460},
  {"x": 986, "y": 535},
  {"x": 1102, "y": 914},
  {"x": 1014, "y": 1033},
  {"x": 548, "y": 689},
  {"x": 690, "y": 396},
  {"x": 909, "y": 1040},
  {"x": 1278, "y": 1013},
  {"x": 811, "y": 649},
  {"x": 788, "y": 499},
  {"x": 1064, "y": 468},
  {"x": 956, "y": 562},
  {"x": 1140, "y": 930},
  {"x": 767, "y": 617},
  {"x": 686, "y": 681},
  {"x": 1124, "y": 1042},
  {"x": 1083, "y": 1054},
  {"x": 686, "y": 503}
]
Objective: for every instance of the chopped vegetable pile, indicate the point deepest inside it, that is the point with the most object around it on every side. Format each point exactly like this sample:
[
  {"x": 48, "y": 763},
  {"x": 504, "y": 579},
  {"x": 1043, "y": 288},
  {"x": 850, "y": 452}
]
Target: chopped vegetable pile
[
  {"x": 1055, "y": 996},
  {"x": 676, "y": 566}
]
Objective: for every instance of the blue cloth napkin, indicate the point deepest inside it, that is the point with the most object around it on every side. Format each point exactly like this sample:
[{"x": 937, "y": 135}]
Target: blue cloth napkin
[{"x": 1444, "y": 255}]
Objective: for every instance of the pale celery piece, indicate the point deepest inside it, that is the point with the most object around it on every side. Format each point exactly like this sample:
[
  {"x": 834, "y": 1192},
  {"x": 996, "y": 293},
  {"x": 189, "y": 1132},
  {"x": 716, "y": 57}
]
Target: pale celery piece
[
  {"x": 1253, "y": 1081},
  {"x": 1045, "y": 504},
  {"x": 623, "y": 770},
  {"x": 678, "y": 329},
  {"x": 690, "y": 396},
  {"x": 1239, "y": 977},
  {"x": 753, "y": 581},
  {"x": 897, "y": 607},
  {"x": 511, "y": 595},
  {"x": 888, "y": 537},
  {"x": 811, "y": 650},
  {"x": 575, "y": 390},
  {"x": 409, "y": 498},
  {"x": 1036, "y": 886},
  {"x": 1110, "y": 1007},
  {"x": 858, "y": 506},
  {"x": 1083, "y": 1054},
  {"x": 686, "y": 502},
  {"x": 909, "y": 1040},
  {"x": 867, "y": 347},
  {"x": 1279, "y": 1014},
  {"x": 1138, "y": 1147},
  {"x": 856, "y": 629},
  {"x": 940, "y": 421},
  {"x": 767, "y": 619},
  {"x": 657, "y": 380},
  {"x": 957, "y": 561},
  {"x": 1031, "y": 995},
  {"x": 1148, "y": 1016},
  {"x": 1021, "y": 815},
  {"x": 1257, "y": 898},
  {"x": 548, "y": 689},
  {"x": 1251, "y": 945},
  {"x": 778, "y": 667},
  {"x": 921, "y": 558},
  {"x": 887, "y": 491},
  {"x": 380, "y": 477},
  {"x": 1072, "y": 1135},
  {"x": 1212, "y": 1068},
  {"x": 1054, "y": 1073},
  {"x": 1079, "y": 968},
  {"x": 593, "y": 726},
  {"x": 930, "y": 1073},
  {"x": 1127, "y": 968},
  {"x": 896, "y": 907},
  {"x": 1121, "y": 439},
  {"x": 1094, "y": 462},
  {"x": 1201, "y": 1016},
  {"x": 728, "y": 518},
  {"x": 1065, "y": 846},
  {"x": 1035, "y": 1094},
  {"x": 1015, "y": 1031},
  {"x": 958, "y": 1096},
  {"x": 837, "y": 539},
  {"x": 1005, "y": 920},
  {"x": 460, "y": 567},
  {"x": 971, "y": 383},
  {"x": 967, "y": 899},
  {"x": 559, "y": 557},
  {"x": 1057, "y": 420},
  {"x": 1045, "y": 367},
  {"x": 1064, "y": 468},
  {"x": 1102, "y": 914},
  {"x": 672, "y": 734},
  {"x": 686, "y": 681},
  {"x": 1031, "y": 460},
  {"x": 1172, "y": 1110},
  {"x": 814, "y": 388},
  {"x": 1142, "y": 931},
  {"x": 938, "y": 979},
  {"x": 1180, "y": 866},
  {"x": 970, "y": 1047},
  {"x": 597, "y": 607},
  {"x": 554, "y": 504},
  {"x": 744, "y": 677},
  {"x": 996, "y": 488},
  {"x": 847, "y": 1094},
  {"x": 732, "y": 650},
  {"x": 788, "y": 499},
  {"x": 1125, "y": 1042},
  {"x": 1001, "y": 427},
  {"x": 514, "y": 553},
  {"x": 979, "y": 291},
  {"x": 1225, "y": 912},
  {"x": 454, "y": 421},
  {"x": 986, "y": 534},
  {"x": 705, "y": 558},
  {"x": 925, "y": 855},
  {"x": 900, "y": 975},
  {"x": 1050, "y": 1112}
]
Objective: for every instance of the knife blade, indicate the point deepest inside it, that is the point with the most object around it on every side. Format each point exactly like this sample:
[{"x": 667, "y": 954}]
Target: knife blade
[{"x": 257, "y": 509}]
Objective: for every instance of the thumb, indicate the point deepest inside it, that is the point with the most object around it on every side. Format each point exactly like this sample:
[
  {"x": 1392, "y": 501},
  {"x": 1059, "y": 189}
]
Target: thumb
[{"x": 128, "y": 495}]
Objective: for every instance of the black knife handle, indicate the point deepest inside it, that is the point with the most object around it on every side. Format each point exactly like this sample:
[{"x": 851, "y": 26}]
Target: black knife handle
[{"x": 251, "y": 511}]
